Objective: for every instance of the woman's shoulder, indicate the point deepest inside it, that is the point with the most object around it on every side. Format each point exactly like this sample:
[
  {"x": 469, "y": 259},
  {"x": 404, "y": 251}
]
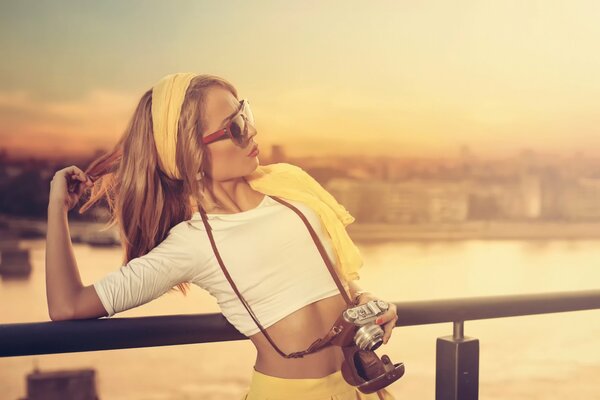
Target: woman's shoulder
[
  {"x": 187, "y": 238},
  {"x": 184, "y": 228}
]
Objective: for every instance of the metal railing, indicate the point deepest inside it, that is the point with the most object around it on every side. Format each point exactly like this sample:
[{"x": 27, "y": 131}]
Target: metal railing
[{"x": 457, "y": 356}]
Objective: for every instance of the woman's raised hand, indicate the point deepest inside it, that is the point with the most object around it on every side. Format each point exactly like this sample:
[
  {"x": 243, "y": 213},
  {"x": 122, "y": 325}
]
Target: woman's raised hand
[{"x": 67, "y": 186}]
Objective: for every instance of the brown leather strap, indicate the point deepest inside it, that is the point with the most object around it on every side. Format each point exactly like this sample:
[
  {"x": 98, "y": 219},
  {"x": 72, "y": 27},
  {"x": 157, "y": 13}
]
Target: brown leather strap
[{"x": 317, "y": 344}]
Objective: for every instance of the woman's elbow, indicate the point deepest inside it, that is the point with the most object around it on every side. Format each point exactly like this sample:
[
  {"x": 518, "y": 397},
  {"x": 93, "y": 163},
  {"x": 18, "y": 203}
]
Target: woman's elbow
[
  {"x": 86, "y": 305},
  {"x": 60, "y": 315}
]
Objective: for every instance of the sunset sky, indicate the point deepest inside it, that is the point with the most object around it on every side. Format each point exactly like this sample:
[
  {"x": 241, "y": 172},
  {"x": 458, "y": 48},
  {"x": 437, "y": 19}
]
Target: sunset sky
[{"x": 418, "y": 78}]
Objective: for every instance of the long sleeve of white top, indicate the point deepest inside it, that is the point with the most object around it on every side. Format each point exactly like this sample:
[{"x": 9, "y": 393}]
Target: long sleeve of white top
[{"x": 146, "y": 278}]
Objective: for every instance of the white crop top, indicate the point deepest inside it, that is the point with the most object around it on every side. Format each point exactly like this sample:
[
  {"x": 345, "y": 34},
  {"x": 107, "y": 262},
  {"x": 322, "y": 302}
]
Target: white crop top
[{"x": 268, "y": 252}]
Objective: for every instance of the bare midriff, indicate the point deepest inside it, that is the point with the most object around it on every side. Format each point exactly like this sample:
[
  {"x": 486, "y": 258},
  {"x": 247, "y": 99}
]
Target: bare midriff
[{"x": 296, "y": 332}]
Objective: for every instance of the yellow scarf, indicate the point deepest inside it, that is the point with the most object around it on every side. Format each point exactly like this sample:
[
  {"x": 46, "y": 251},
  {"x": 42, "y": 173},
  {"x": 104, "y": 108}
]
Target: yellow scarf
[{"x": 293, "y": 183}]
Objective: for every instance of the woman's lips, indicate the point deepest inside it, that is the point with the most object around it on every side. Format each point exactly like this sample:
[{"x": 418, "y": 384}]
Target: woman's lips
[{"x": 254, "y": 152}]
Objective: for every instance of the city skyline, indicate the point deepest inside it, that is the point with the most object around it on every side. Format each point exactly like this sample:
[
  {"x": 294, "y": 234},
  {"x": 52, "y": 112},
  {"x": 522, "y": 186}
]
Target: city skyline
[{"x": 280, "y": 153}]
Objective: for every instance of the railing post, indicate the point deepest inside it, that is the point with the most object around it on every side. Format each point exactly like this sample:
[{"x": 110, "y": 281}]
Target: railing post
[{"x": 457, "y": 366}]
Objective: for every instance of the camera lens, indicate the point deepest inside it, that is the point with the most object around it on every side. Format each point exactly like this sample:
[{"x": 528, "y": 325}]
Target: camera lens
[
  {"x": 377, "y": 344},
  {"x": 369, "y": 337}
]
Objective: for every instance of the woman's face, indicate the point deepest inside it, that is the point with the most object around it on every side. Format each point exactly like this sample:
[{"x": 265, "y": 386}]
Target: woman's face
[{"x": 226, "y": 159}]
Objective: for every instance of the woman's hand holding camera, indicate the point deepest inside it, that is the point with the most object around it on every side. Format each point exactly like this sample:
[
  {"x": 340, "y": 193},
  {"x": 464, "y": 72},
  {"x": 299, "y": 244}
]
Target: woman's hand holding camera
[{"x": 387, "y": 319}]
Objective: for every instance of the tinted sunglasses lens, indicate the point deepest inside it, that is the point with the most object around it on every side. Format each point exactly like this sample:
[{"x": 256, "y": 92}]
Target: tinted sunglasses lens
[
  {"x": 248, "y": 112},
  {"x": 238, "y": 130}
]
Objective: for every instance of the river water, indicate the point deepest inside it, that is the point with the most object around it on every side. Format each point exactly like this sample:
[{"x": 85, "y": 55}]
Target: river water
[{"x": 550, "y": 356}]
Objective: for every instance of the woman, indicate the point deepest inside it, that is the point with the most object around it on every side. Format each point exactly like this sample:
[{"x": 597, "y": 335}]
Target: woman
[{"x": 190, "y": 148}]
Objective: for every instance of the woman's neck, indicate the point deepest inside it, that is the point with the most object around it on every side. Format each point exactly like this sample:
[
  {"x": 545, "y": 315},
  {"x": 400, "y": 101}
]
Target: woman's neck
[{"x": 235, "y": 195}]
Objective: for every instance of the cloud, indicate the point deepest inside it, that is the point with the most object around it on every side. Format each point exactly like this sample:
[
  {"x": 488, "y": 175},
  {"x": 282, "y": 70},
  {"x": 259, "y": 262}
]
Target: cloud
[{"x": 95, "y": 120}]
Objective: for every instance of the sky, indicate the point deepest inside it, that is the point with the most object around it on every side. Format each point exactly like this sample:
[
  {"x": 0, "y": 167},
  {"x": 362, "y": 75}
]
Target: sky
[{"x": 400, "y": 78}]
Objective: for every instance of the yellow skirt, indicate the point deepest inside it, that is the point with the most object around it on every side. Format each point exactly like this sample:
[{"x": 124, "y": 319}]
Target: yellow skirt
[{"x": 330, "y": 387}]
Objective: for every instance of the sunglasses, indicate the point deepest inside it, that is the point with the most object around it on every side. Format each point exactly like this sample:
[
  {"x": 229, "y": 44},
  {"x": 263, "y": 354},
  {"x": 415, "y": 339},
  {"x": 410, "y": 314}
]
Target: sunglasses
[{"x": 237, "y": 129}]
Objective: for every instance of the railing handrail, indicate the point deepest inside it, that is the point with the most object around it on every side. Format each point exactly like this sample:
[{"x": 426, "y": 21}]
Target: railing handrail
[
  {"x": 486, "y": 307},
  {"x": 50, "y": 337}
]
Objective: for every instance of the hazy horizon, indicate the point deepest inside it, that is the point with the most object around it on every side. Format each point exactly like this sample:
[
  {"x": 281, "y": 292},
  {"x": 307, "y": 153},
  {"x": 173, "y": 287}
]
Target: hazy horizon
[{"x": 413, "y": 79}]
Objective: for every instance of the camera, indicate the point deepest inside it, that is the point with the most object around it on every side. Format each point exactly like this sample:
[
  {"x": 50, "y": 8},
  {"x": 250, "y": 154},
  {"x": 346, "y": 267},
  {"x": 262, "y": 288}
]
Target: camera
[{"x": 357, "y": 324}]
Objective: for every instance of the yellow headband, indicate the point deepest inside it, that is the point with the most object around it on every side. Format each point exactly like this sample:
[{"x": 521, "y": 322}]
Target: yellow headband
[{"x": 167, "y": 98}]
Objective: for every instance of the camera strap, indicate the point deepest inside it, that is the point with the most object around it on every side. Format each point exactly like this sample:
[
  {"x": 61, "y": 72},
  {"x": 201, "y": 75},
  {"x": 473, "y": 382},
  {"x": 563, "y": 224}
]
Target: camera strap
[{"x": 317, "y": 344}]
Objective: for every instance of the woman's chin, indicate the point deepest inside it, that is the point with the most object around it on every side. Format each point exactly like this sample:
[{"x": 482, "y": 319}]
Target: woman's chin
[{"x": 254, "y": 168}]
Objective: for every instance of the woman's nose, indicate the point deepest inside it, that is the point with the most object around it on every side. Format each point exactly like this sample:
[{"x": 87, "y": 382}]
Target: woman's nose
[{"x": 252, "y": 130}]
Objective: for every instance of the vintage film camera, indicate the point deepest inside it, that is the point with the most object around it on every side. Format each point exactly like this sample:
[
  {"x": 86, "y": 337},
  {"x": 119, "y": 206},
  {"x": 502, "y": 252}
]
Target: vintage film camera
[
  {"x": 368, "y": 335},
  {"x": 358, "y": 335}
]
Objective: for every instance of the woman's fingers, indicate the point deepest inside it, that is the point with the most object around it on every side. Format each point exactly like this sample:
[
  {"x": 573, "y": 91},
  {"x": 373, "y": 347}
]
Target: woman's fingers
[
  {"x": 388, "y": 320},
  {"x": 76, "y": 173},
  {"x": 388, "y": 315},
  {"x": 387, "y": 329},
  {"x": 68, "y": 185}
]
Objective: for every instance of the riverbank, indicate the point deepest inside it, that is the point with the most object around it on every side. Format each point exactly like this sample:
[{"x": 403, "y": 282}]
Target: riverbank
[
  {"x": 80, "y": 231},
  {"x": 493, "y": 230},
  {"x": 361, "y": 233}
]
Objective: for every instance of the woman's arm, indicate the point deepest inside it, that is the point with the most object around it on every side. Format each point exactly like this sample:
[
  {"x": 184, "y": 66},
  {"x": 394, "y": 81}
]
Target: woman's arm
[
  {"x": 173, "y": 261},
  {"x": 354, "y": 289},
  {"x": 142, "y": 279},
  {"x": 63, "y": 282}
]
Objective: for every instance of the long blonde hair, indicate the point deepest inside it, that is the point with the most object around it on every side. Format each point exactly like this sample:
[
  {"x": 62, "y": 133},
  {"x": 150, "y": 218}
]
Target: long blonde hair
[{"x": 143, "y": 201}]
